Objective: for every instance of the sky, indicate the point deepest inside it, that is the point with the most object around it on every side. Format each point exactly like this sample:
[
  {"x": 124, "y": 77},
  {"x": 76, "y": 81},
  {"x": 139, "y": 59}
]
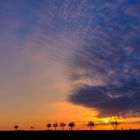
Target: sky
[{"x": 69, "y": 60}]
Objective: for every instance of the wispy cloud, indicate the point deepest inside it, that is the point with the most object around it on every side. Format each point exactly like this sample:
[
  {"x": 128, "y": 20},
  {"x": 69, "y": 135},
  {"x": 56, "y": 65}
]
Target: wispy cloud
[
  {"x": 54, "y": 47},
  {"x": 110, "y": 55}
]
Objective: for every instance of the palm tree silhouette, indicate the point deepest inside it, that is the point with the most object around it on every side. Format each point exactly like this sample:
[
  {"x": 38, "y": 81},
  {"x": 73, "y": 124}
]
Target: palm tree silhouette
[
  {"x": 48, "y": 125},
  {"x": 16, "y": 127},
  {"x": 62, "y": 125},
  {"x": 90, "y": 124},
  {"x": 71, "y": 125},
  {"x": 115, "y": 124},
  {"x": 55, "y": 125}
]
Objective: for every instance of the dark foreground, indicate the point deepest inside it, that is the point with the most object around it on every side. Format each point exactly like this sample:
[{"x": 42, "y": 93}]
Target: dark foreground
[{"x": 70, "y": 135}]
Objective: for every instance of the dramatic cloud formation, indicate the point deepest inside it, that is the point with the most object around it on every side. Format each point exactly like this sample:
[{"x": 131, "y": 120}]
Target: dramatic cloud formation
[
  {"x": 87, "y": 51},
  {"x": 110, "y": 56}
]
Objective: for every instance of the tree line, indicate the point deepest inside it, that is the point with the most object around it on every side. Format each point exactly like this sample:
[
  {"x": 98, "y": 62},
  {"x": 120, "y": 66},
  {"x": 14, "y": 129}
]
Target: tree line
[{"x": 71, "y": 125}]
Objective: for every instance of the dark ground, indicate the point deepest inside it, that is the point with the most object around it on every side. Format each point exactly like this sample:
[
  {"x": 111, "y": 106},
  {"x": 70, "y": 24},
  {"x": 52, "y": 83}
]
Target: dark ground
[{"x": 70, "y": 135}]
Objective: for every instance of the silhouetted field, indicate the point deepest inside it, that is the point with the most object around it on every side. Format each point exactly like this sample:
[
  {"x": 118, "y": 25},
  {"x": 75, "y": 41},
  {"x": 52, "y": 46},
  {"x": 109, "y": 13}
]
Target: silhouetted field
[{"x": 70, "y": 135}]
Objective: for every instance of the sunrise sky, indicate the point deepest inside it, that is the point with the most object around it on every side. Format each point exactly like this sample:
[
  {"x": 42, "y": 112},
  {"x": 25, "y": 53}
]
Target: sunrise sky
[{"x": 69, "y": 60}]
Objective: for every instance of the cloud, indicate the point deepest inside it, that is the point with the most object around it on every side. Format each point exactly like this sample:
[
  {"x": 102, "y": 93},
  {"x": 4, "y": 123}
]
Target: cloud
[
  {"x": 109, "y": 54},
  {"x": 108, "y": 100},
  {"x": 96, "y": 41}
]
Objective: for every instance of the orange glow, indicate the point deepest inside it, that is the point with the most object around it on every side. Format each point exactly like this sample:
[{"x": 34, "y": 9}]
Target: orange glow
[
  {"x": 69, "y": 112},
  {"x": 66, "y": 112}
]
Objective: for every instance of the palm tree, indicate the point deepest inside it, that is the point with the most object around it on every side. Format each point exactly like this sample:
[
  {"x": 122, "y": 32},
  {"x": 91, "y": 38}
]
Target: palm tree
[
  {"x": 49, "y": 125},
  {"x": 55, "y": 125},
  {"x": 90, "y": 124},
  {"x": 71, "y": 125},
  {"x": 115, "y": 124},
  {"x": 16, "y": 127},
  {"x": 62, "y": 125}
]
